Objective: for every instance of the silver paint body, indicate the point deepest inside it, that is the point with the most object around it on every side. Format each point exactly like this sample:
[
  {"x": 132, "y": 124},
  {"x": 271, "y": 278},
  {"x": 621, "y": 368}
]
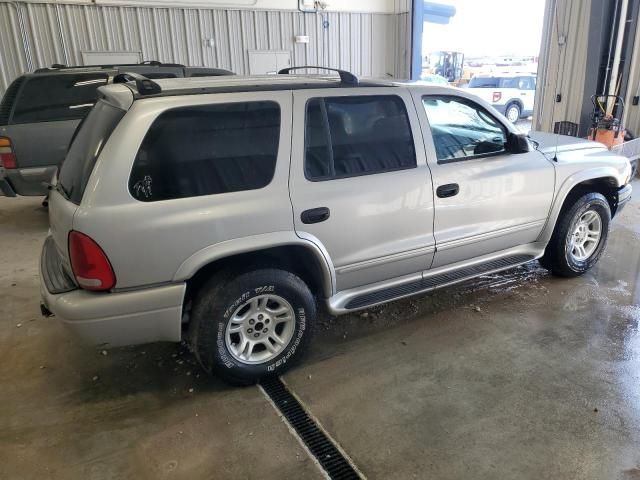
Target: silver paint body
[{"x": 384, "y": 230}]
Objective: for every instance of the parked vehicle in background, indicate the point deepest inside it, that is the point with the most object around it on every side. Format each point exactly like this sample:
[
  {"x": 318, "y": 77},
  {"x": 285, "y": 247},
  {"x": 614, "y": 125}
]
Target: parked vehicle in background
[
  {"x": 512, "y": 94},
  {"x": 241, "y": 205},
  {"x": 40, "y": 111}
]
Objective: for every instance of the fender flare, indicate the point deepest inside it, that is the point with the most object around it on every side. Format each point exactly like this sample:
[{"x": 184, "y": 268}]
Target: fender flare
[
  {"x": 514, "y": 100},
  {"x": 566, "y": 187},
  {"x": 255, "y": 243}
]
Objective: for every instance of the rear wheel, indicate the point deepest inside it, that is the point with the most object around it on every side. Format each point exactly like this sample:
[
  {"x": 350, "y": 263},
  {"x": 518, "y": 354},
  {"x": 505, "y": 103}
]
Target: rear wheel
[
  {"x": 512, "y": 112},
  {"x": 252, "y": 325},
  {"x": 579, "y": 237}
]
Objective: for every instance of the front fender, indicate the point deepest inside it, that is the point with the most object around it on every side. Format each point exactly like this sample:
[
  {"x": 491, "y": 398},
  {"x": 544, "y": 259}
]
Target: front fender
[
  {"x": 571, "y": 181},
  {"x": 254, "y": 243}
]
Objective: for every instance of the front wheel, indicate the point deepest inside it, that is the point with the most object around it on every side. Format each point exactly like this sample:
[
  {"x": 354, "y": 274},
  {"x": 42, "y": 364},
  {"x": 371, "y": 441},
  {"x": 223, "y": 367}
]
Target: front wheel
[
  {"x": 579, "y": 237},
  {"x": 512, "y": 112},
  {"x": 253, "y": 325}
]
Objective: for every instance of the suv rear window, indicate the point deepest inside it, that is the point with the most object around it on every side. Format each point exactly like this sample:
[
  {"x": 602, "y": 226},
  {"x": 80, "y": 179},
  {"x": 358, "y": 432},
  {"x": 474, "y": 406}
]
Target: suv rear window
[
  {"x": 47, "y": 98},
  {"x": 522, "y": 83},
  {"x": 89, "y": 140},
  {"x": 357, "y": 135},
  {"x": 206, "y": 150}
]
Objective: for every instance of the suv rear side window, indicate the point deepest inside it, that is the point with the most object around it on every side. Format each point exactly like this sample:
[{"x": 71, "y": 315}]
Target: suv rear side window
[
  {"x": 89, "y": 140},
  {"x": 495, "y": 82},
  {"x": 357, "y": 135},
  {"x": 206, "y": 150},
  {"x": 47, "y": 98},
  {"x": 462, "y": 129}
]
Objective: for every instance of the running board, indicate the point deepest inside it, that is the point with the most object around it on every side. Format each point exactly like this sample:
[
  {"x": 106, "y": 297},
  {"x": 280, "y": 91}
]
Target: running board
[{"x": 435, "y": 281}]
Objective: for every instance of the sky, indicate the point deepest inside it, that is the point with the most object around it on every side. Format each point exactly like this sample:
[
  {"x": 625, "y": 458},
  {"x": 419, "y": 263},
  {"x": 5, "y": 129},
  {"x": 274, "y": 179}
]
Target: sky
[{"x": 488, "y": 27}]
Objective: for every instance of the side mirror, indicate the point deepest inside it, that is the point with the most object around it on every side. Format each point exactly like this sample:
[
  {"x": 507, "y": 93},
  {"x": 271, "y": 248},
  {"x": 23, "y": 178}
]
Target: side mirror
[{"x": 517, "y": 143}]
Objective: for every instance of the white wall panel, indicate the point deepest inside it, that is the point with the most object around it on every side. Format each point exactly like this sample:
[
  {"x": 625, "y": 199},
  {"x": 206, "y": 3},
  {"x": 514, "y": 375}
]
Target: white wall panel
[
  {"x": 368, "y": 44},
  {"x": 631, "y": 118}
]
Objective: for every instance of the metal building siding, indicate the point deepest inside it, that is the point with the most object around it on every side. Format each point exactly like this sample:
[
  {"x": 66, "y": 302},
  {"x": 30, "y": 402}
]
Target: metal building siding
[
  {"x": 562, "y": 68},
  {"x": 13, "y": 57},
  {"x": 632, "y": 112},
  {"x": 370, "y": 44}
]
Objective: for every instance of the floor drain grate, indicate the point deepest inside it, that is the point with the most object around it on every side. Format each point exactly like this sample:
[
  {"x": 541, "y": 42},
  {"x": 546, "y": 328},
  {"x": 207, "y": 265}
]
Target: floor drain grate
[{"x": 331, "y": 459}]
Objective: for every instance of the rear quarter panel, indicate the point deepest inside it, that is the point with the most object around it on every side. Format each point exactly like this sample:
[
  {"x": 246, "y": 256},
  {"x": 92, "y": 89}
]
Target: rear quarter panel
[{"x": 147, "y": 242}]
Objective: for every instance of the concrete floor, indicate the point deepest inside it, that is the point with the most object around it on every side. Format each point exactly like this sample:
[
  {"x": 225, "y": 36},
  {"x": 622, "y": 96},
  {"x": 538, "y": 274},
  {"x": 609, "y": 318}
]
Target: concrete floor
[{"x": 517, "y": 375}]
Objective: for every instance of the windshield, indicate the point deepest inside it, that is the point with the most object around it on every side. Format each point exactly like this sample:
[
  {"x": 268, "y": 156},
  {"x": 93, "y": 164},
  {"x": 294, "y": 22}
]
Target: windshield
[
  {"x": 89, "y": 141},
  {"x": 47, "y": 98}
]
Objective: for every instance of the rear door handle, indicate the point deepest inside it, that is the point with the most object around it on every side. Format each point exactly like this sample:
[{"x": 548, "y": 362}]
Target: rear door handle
[
  {"x": 448, "y": 190},
  {"x": 315, "y": 215}
]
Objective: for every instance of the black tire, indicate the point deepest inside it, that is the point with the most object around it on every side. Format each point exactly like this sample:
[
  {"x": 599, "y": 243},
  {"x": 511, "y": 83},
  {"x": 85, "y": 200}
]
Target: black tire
[
  {"x": 516, "y": 106},
  {"x": 557, "y": 257},
  {"x": 214, "y": 306}
]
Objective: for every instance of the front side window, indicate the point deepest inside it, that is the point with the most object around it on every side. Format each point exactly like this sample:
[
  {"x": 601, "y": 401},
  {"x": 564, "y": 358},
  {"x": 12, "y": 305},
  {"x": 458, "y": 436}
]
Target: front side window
[
  {"x": 357, "y": 135},
  {"x": 57, "y": 97},
  {"x": 462, "y": 129},
  {"x": 207, "y": 150}
]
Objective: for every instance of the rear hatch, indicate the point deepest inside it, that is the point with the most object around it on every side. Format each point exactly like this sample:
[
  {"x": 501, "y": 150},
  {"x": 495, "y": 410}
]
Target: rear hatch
[
  {"x": 67, "y": 193},
  {"x": 45, "y": 111}
]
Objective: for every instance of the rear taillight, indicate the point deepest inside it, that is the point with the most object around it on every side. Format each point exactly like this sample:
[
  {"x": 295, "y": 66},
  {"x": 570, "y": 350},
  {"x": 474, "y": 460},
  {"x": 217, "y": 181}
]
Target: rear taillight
[
  {"x": 7, "y": 157},
  {"x": 90, "y": 265},
  {"x": 496, "y": 97}
]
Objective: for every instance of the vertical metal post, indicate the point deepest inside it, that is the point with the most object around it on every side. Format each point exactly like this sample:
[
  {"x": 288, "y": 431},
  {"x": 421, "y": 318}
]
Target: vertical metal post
[{"x": 417, "y": 24}]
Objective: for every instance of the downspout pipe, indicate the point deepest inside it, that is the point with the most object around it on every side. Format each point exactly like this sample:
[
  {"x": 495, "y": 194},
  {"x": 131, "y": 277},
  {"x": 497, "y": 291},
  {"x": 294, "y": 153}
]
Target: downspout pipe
[
  {"x": 613, "y": 80},
  {"x": 607, "y": 70}
]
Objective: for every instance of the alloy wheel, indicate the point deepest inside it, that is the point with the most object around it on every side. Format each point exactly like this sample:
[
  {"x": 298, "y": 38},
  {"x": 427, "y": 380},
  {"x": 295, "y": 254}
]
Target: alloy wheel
[{"x": 260, "y": 329}]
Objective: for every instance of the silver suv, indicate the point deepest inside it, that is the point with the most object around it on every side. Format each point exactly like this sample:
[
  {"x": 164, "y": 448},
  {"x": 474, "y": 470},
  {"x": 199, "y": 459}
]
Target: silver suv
[{"x": 226, "y": 211}]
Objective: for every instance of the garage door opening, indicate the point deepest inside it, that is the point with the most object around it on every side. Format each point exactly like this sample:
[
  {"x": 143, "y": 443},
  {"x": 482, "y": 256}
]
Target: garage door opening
[{"x": 491, "y": 47}]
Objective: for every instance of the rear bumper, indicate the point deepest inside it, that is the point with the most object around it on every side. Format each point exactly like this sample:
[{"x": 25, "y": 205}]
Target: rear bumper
[
  {"x": 6, "y": 189},
  {"x": 117, "y": 319},
  {"x": 121, "y": 318},
  {"x": 26, "y": 181}
]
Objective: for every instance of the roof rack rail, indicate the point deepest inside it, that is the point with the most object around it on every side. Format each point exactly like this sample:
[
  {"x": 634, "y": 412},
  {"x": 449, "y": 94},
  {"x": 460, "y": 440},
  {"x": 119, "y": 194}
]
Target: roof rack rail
[
  {"x": 345, "y": 77},
  {"x": 150, "y": 63},
  {"x": 144, "y": 85},
  {"x": 156, "y": 63}
]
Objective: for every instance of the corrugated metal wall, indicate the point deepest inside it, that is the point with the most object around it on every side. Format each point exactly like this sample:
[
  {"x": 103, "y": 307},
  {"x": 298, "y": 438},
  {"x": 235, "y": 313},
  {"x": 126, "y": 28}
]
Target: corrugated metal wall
[
  {"x": 631, "y": 118},
  {"x": 562, "y": 64},
  {"x": 368, "y": 44}
]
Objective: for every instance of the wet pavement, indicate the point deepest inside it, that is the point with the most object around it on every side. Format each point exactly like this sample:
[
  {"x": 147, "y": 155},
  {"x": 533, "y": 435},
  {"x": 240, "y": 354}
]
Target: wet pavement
[{"x": 515, "y": 375}]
